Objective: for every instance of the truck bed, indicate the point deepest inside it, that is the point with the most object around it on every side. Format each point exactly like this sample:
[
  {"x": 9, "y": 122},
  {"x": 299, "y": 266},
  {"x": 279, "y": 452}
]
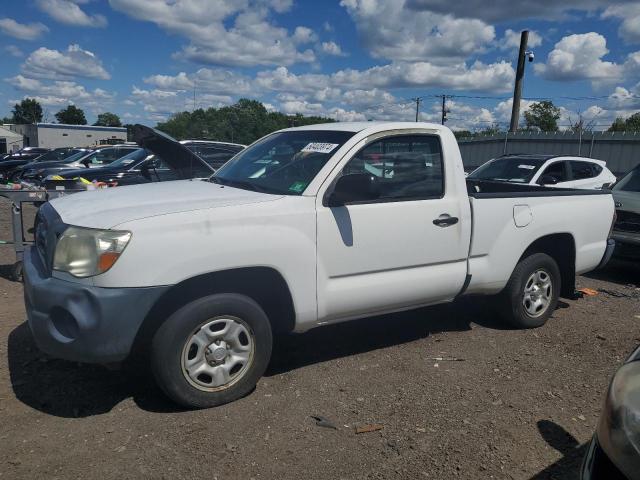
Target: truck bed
[
  {"x": 508, "y": 217},
  {"x": 493, "y": 189}
]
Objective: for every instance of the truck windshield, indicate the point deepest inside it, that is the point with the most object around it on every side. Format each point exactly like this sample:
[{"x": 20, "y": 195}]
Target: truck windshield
[
  {"x": 283, "y": 163},
  {"x": 508, "y": 169},
  {"x": 630, "y": 182}
]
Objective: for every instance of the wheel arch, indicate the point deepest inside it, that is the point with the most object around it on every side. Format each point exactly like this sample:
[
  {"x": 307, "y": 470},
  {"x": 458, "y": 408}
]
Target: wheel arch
[
  {"x": 265, "y": 285},
  {"x": 562, "y": 248}
]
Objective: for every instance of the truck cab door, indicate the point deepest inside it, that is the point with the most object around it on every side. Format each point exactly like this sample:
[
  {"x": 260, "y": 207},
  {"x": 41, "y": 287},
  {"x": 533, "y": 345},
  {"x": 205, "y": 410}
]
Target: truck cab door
[{"x": 407, "y": 247}]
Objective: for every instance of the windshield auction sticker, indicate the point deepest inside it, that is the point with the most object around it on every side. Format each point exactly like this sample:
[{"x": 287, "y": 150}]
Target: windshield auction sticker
[
  {"x": 527, "y": 167},
  {"x": 319, "y": 147}
]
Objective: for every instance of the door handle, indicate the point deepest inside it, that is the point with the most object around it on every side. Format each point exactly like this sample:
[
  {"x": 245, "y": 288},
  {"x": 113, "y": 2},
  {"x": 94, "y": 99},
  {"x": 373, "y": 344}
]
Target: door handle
[{"x": 447, "y": 221}]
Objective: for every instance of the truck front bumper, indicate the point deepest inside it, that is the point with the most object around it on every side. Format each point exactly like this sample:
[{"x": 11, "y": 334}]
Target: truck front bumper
[{"x": 81, "y": 322}]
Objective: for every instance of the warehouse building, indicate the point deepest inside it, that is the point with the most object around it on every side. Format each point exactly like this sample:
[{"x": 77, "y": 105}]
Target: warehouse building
[
  {"x": 9, "y": 141},
  {"x": 54, "y": 135}
]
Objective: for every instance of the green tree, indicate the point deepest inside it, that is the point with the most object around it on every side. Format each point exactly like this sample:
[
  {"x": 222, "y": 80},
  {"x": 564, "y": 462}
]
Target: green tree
[
  {"x": 108, "y": 119},
  {"x": 463, "y": 134},
  {"x": 630, "y": 124},
  {"x": 71, "y": 115},
  {"x": 245, "y": 121},
  {"x": 27, "y": 111},
  {"x": 6, "y": 120},
  {"x": 543, "y": 115}
]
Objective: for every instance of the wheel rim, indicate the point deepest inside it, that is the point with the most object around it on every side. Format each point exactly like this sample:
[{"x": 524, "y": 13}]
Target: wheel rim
[
  {"x": 538, "y": 291},
  {"x": 218, "y": 353}
]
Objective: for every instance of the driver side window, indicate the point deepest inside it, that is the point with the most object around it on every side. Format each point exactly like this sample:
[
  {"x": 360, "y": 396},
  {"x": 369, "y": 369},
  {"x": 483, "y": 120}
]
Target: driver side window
[{"x": 407, "y": 167}]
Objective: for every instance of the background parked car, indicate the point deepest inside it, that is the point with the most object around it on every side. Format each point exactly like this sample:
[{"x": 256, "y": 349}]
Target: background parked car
[
  {"x": 613, "y": 452},
  {"x": 9, "y": 169},
  {"x": 139, "y": 166},
  {"x": 626, "y": 231},
  {"x": 26, "y": 153},
  {"x": 89, "y": 159},
  {"x": 548, "y": 170},
  {"x": 215, "y": 154}
]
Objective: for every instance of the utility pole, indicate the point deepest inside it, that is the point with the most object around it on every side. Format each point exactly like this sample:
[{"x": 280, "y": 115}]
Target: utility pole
[
  {"x": 417, "y": 99},
  {"x": 444, "y": 109},
  {"x": 517, "y": 91}
]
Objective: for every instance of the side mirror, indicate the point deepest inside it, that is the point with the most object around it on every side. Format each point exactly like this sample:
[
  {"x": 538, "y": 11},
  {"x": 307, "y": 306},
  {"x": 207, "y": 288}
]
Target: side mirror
[
  {"x": 85, "y": 162},
  {"x": 353, "y": 187},
  {"x": 548, "y": 180}
]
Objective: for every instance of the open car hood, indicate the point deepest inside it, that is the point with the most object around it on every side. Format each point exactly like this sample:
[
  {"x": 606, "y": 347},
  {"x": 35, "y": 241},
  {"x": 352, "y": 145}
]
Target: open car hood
[{"x": 177, "y": 156}]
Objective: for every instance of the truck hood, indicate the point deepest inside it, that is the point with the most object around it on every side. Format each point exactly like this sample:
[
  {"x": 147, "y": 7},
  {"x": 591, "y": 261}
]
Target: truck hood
[
  {"x": 110, "y": 207},
  {"x": 175, "y": 154}
]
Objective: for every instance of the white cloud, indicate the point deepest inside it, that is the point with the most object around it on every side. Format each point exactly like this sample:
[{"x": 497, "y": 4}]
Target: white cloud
[
  {"x": 53, "y": 64},
  {"x": 496, "y": 77},
  {"x": 22, "y": 31},
  {"x": 579, "y": 57},
  {"x": 224, "y": 32},
  {"x": 390, "y": 30},
  {"x": 630, "y": 15},
  {"x": 303, "y": 35},
  {"x": 69, "y": 13},
  {"x": 511, "y": 40},
  {"x": 332, "y": 48},
  {"x": 217, "y": 81},
  {"x": 60, "y": 92},
  {"x": 508, "y": 10},
  {"x": 14, "y": 51}
]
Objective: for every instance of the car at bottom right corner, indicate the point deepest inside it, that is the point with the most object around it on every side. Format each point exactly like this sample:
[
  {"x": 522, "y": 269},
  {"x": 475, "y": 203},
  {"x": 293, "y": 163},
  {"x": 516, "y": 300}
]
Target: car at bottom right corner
[{"x": 614, "y": 451}]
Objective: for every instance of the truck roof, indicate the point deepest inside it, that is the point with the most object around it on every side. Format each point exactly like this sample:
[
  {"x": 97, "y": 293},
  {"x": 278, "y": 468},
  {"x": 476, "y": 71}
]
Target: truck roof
[{"x": 359, "y": 126}]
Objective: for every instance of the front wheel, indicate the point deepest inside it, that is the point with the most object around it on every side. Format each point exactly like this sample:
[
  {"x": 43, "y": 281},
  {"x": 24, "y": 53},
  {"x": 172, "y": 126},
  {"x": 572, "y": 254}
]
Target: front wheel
[
  {"x": 531, "y": 295},
  {"x": 212, "y": 351}
]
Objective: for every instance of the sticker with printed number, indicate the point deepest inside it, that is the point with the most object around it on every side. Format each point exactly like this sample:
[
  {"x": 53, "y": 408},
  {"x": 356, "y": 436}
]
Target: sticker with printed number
[
  {"x": 319, "y": 147},
  {"x": 527, "y": 167},
  {"x": 297, "y": 187}
]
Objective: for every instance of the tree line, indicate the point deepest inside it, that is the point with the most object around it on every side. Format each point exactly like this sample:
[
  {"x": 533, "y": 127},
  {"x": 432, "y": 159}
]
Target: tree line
[{"x": 248, "y": 120}]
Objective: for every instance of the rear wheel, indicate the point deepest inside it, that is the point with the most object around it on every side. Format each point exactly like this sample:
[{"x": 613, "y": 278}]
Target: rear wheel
[
  {"x": 531, "y": 295},
  {"x": 212, "y": 351}
]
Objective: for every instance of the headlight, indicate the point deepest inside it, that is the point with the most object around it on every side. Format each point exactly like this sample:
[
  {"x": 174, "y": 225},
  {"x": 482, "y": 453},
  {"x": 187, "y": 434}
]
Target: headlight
[
  {"x": 619, "y": 426},
  {"x": 85, "y": 252}
]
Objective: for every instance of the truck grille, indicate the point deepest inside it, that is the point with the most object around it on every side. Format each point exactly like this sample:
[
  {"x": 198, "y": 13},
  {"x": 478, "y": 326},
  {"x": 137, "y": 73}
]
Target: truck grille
[{"x": 627, "y": 222}]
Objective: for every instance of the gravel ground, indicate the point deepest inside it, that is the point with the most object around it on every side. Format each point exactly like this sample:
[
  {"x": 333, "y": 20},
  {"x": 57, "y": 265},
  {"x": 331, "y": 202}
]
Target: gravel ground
[{"x": 517, "y": 404}]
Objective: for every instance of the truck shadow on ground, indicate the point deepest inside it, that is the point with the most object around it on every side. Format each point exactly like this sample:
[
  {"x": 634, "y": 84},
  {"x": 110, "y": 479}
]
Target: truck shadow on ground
[
  {"x": 568, "y": 467},
  {"x": 618, "y": 271},
  {"x": 70, "y": 389}
]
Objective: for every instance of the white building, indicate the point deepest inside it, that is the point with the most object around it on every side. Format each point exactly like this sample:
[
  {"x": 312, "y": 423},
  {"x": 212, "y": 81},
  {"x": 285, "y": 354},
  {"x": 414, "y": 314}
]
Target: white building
[
  {"x": 54, "y": 135},
  {"x": 9, "y": 141}
]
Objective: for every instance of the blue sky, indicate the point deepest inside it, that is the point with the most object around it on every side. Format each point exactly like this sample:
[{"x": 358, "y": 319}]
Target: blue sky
[{"x": 349, "y": 59}]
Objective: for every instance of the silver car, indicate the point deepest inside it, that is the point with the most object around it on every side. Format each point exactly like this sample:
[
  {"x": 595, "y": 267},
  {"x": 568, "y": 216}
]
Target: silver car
[{"x": 626, "y": 231}]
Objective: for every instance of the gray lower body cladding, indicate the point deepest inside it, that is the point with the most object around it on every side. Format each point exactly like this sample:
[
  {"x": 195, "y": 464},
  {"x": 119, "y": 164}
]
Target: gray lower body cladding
[{"x": 82, "y": 322}]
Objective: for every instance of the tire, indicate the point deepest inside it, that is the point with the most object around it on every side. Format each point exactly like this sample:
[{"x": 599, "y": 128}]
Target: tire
[
  {"x": 524, "y": 304},
  {"x": 180, "y": 349}
]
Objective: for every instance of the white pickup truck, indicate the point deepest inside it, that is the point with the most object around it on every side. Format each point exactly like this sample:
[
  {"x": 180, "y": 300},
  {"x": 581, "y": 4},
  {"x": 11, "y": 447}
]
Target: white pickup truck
[{"x": 305, "y": 227}]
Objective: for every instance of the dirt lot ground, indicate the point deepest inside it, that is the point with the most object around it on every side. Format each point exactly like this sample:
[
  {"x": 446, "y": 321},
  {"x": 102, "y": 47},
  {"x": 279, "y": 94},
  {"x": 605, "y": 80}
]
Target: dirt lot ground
[{"x": 519, "y": 404}]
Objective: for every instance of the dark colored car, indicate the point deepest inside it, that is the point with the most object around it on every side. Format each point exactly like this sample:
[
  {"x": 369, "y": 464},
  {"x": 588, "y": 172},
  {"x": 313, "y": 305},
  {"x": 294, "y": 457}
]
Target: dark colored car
[
  {"x": 614, "y": 451},
  {"x": 139, "y": 166},
  {"x": 163, "y": 159},
  {"x": 215, "y": 154},
  {"x": 26, "y": 153},
  {"x": 100, "y": 157},
  {"x": 10, "y": 169}
]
